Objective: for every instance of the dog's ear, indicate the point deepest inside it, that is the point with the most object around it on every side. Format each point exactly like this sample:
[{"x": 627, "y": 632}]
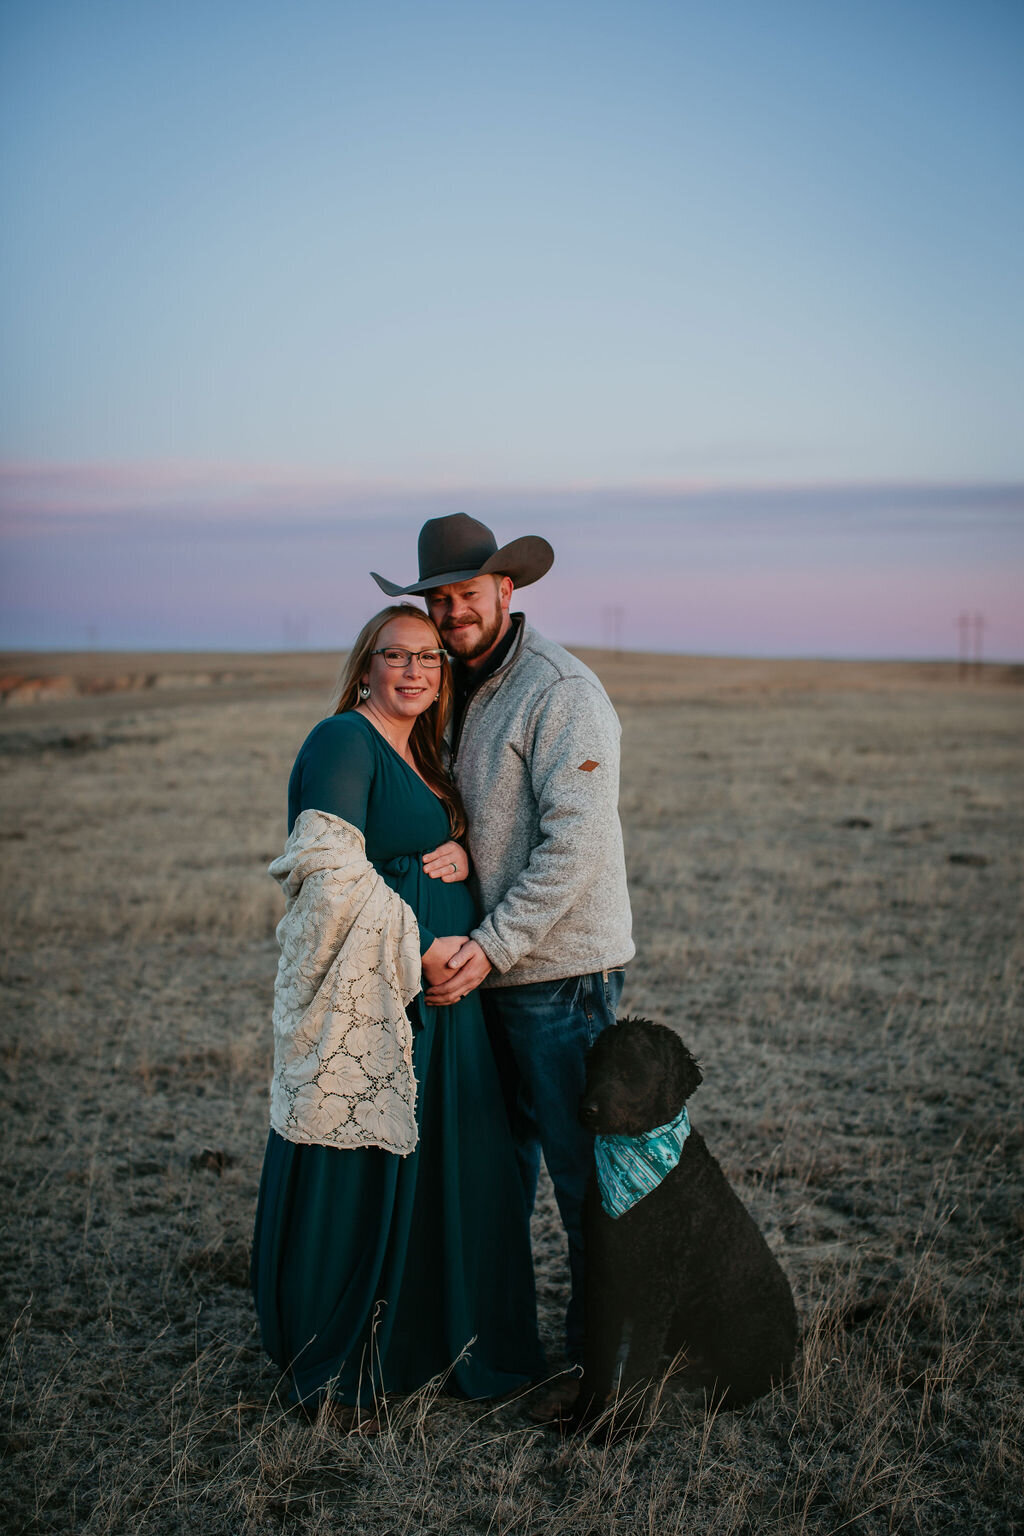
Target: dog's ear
[{"x": 687, "y": 1075}]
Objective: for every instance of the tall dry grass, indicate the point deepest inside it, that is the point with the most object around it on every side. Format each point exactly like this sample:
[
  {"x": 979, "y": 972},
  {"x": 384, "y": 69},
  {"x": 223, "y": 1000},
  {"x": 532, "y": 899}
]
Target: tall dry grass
[{"x": 854, "y": 995}]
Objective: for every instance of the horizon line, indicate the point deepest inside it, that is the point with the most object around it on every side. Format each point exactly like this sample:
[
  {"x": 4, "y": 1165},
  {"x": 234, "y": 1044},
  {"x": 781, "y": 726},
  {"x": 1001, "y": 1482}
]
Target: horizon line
[{"x": 574, "y": 646}]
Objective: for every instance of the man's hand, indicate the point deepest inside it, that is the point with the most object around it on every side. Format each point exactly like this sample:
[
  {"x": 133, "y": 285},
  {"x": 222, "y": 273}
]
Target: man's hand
[
  {"x": 470, "y": 965},
  {"x": 435, "y": 962},
  {"x": 449, "y": 862}
]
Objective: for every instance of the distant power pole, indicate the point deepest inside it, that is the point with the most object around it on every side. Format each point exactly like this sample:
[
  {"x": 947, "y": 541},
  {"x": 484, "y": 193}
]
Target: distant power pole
[
  {"x": 964, "y": 626},
  {"x": 296, "y": 632},
  {"x": 979, "y": 630},
  {"x": 613, "y": 620}
]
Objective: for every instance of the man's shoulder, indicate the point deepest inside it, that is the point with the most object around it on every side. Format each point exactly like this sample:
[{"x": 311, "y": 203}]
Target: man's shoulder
[{"x": 550, "y": 662}]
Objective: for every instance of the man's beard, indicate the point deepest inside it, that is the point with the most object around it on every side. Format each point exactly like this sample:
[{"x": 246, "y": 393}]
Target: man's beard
[{"x": 488, "y": 634}]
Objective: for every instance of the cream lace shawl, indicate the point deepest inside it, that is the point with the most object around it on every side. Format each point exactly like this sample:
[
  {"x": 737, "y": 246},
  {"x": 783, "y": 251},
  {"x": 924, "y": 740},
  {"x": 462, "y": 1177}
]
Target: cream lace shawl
[{"x": 350, "y": 962}]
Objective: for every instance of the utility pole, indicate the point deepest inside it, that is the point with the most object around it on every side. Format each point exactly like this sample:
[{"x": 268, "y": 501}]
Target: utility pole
[
  {"x": 296, "y": 632},
  {"x": 613, "y": 617},
  {"x": 964, "y": 625},
  {"x": 979, "y": 630}
]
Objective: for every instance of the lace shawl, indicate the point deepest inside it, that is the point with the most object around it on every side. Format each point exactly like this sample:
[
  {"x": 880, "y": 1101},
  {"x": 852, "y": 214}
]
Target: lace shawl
[{"x": 350, "y": 962}]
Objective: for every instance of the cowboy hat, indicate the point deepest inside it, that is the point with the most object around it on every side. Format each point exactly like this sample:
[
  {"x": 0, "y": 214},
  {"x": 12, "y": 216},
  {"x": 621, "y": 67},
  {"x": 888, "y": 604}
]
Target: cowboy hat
[{"x": 457, "y": 548}]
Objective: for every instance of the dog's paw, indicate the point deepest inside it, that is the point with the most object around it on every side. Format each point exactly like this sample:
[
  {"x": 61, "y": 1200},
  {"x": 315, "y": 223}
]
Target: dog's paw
[
  {"x": 603, "y": 1421},
  {"x": 583, "y": 1414},
  {"x": 553, "y": 1407},
  {"x": 607, "y": 1428}
]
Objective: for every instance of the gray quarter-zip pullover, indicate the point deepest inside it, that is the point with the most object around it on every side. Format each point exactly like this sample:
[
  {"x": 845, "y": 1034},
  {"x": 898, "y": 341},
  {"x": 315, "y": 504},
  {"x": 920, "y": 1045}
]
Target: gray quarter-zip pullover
[{"x": 536, "y": 759}]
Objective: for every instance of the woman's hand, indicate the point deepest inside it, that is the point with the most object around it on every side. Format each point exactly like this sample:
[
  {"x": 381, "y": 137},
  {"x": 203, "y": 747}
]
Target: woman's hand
[
  {"x": 449, "y": 862},
  {"x": 464, "y": 971},
  {"x": 435, "y": 961}
]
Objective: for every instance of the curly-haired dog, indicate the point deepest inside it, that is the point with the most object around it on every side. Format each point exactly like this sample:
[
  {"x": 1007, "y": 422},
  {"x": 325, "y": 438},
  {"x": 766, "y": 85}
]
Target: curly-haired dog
[{"x": 680, "y": 1264}]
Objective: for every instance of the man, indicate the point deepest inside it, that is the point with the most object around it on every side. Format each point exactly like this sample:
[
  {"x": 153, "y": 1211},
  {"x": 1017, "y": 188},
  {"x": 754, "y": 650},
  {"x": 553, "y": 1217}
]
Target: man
[{"x": 535, "y": 753}]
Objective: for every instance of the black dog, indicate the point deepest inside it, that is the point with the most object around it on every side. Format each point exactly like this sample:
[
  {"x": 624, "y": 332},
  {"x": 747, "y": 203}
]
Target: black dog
[{"x": 685, "y": 1268}]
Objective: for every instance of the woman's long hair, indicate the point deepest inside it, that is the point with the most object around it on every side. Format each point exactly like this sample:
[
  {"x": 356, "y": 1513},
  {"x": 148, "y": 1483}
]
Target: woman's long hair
[{"x": 427, "y": 737}]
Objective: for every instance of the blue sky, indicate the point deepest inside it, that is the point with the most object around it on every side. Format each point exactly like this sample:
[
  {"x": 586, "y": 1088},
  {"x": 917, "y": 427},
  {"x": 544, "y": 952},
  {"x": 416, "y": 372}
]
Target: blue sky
[{"x": 277, "y": 282}]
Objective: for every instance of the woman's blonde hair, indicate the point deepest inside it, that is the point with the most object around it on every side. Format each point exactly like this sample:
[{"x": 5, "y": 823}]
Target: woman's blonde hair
[{"x": 427, "y": 737}]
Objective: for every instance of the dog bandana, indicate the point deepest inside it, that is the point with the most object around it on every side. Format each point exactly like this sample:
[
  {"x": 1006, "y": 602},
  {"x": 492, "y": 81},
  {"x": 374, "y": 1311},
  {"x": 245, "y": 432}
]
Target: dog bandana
[{"x": 629, "y": 1167}]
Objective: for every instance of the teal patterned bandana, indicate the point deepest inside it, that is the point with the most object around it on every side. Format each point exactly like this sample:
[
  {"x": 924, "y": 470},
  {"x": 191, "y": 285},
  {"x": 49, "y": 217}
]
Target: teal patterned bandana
[{"x": 629, "y": 1167}]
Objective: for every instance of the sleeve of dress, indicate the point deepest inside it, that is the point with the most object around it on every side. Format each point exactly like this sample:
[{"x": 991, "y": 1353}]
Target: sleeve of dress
[{"x": 333, "y": 772}]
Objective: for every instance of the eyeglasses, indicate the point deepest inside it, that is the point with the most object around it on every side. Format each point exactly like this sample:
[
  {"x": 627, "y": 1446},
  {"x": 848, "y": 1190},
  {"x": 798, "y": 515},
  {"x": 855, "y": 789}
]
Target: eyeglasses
[{"x": 396, "y": 656}]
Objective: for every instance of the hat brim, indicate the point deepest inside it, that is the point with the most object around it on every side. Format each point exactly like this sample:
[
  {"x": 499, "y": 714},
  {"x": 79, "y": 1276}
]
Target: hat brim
[{"x": 525, "y": 560}]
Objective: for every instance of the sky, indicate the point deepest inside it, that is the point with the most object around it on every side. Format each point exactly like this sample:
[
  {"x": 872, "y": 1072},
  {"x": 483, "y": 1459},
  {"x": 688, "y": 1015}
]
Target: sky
[{"x": 723, "y": 299}]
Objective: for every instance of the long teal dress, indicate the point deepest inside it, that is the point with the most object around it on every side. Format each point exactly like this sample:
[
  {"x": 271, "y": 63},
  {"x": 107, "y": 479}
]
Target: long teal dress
[{"x": 370, "y": 1271}]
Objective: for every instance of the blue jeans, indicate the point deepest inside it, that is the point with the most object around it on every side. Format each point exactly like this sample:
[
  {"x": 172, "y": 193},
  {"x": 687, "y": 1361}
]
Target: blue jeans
[{"x": 541, "y": 1033}]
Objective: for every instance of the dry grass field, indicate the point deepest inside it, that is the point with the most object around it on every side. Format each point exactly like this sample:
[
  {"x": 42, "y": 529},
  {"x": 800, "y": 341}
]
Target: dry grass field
[{"x": 826, "y": 871}]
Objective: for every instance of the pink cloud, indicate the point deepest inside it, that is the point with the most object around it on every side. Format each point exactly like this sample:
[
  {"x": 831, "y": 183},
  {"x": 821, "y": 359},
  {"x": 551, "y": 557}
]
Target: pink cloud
[{"x": 222, "y": 554}]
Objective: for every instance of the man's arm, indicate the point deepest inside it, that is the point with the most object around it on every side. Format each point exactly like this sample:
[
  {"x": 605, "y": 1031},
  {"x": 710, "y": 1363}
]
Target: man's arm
[{"x": 574, "y": 771}]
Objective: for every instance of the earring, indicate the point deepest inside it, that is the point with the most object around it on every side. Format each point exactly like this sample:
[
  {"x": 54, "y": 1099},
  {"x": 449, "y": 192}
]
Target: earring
[{"x": 364, "y": 691}]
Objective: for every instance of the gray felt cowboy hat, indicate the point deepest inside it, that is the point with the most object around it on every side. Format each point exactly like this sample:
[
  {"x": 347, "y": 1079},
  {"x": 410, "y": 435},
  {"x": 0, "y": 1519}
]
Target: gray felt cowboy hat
[{"x": 457, "y": 548}]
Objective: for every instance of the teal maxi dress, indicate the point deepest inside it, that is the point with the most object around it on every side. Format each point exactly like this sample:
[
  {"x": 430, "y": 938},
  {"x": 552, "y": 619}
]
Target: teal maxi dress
[{"x": 370, "y": 1271}]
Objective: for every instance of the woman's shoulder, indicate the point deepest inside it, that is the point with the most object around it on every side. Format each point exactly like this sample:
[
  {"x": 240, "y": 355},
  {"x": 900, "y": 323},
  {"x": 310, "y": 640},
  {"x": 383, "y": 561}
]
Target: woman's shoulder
[{"x": 347, "y": 732}]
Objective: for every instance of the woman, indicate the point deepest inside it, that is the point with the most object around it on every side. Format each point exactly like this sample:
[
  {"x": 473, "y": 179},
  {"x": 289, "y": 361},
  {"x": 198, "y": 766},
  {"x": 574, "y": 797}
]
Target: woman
[{"x": 374, "y": 1269}]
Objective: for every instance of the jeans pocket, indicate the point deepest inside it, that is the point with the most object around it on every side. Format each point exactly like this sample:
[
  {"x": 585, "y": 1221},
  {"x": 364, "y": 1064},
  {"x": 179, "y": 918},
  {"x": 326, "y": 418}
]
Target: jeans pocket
[
  {"x": 579, "y": 996},
  {"x": 613, "y": 984}
]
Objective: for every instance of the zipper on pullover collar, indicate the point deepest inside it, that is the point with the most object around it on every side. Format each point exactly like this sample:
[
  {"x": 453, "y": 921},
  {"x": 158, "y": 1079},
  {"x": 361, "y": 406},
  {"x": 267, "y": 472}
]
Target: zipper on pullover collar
[{"x": 520, "y": 621}]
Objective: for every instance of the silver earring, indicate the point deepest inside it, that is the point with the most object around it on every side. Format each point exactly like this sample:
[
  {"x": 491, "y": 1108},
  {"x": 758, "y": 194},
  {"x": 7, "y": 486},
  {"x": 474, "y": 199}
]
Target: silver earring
[{"x": 364, "y": 691}]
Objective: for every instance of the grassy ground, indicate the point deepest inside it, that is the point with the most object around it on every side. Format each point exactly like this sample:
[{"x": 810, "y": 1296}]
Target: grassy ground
[{"x": 826, "y": 874}]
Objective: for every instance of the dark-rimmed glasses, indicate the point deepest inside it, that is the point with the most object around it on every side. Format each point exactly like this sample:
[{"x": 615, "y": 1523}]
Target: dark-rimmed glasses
[{"x": 398, "y": 656}]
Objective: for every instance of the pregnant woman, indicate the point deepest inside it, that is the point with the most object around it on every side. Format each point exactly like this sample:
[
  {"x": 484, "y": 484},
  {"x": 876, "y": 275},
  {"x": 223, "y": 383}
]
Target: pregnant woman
[{"x": 391, "y": 1240}]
